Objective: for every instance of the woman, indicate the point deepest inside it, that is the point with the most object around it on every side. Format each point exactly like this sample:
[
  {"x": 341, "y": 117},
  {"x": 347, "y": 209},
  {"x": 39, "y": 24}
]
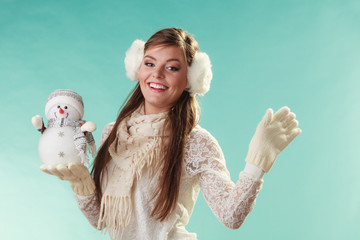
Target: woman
[{"x": 155, "y": 158}]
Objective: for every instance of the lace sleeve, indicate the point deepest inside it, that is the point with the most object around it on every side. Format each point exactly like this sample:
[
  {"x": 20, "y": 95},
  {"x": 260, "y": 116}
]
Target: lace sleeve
[
  {"x": 229, "y": 202},
  {"x": 89, "y": 207}
]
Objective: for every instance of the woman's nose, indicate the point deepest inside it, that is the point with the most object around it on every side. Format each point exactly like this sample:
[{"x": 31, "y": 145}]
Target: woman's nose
[{"x": 158, "y": 73}]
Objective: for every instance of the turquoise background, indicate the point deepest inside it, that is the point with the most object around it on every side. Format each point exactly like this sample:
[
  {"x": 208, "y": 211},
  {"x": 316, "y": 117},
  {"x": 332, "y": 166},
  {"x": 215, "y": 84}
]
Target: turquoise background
[{"x": 303, "y": 54}]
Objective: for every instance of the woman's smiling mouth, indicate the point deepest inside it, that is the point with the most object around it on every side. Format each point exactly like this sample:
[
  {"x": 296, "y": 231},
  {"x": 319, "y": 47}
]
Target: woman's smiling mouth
[{"x": 157, "y": 87}]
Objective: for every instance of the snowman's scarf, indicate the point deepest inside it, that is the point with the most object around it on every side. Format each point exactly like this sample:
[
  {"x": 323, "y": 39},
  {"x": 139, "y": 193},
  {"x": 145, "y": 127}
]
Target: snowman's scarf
[
  {"x": 80, "y": 139},
  {"x": 138, "y": 147}
]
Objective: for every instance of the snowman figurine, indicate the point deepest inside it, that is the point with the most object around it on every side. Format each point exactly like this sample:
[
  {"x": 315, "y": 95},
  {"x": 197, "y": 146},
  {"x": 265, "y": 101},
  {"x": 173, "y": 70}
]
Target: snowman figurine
[{"x": 67, "y": 137}]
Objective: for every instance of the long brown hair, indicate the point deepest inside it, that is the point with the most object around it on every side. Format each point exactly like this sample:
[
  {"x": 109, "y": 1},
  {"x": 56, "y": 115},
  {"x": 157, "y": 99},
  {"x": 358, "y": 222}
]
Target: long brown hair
[{"x": 182, "y": 118}]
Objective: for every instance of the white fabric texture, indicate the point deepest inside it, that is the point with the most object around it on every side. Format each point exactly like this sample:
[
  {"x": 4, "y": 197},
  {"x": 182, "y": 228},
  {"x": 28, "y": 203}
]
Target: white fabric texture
[
  {"x": 133, "y": 58},
  {"x": 204, "y": 168},
  {"x": 272, "y": 135},
  {"x": 199, "y": 74},
  {"x": 139, "y": 137}
]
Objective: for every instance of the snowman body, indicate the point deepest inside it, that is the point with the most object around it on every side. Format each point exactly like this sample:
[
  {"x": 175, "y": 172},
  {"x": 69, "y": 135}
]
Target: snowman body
[
  {"x": 67, "y": 137},
  {"x": 56, "y": 145}
]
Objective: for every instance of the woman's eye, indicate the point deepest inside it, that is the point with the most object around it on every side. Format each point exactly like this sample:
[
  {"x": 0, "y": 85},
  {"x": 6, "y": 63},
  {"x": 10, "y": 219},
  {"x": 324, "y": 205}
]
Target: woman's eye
[
  {"x": 149, "y": 64},
  {"x": 173, "y": 68}
]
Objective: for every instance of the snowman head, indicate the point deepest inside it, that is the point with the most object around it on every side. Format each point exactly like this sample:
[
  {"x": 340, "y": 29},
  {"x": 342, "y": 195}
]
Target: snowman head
[{"x": 64, "y": 104}]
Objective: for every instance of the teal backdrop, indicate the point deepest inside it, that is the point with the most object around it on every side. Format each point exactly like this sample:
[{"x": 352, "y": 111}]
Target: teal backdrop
[{"x": 303, "y": 54}]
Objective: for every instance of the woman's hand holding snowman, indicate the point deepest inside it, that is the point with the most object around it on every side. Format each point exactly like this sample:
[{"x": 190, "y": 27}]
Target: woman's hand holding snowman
[
  {"x": 77, "y": 174},
  {"x": 272, "y": 135}
]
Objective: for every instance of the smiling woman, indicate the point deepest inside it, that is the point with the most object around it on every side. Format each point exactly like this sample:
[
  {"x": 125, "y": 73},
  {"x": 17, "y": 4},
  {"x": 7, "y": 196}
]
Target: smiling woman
[
  {"x": 154, "y": 159},
  {"x": 162, "y": 77}
]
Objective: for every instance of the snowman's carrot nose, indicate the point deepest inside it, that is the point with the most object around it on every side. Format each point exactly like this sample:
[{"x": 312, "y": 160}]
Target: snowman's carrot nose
[{"x": 61, "y": 111}]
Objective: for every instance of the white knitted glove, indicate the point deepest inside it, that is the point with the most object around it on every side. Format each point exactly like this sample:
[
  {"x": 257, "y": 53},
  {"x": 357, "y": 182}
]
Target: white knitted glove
[
  {"x": 272, "y": 135},
  {"x": 77, "y": 174}
]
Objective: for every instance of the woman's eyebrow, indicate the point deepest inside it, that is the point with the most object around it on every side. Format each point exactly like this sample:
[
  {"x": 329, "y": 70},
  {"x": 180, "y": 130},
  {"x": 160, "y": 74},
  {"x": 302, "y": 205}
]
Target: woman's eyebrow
[
  {"x": 169, "y": 60},
  {"x": 148, "y": 56},
  {"x": 173, "y": 59}
]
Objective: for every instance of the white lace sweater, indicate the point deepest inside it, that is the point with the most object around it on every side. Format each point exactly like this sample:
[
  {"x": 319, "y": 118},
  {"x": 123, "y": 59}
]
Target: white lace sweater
[{"x": 205, "y": 169}]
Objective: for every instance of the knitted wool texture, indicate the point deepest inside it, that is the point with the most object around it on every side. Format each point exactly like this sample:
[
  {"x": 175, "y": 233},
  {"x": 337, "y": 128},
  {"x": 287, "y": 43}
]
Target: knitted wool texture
[
  {"x": 138, "y": 146},
  {"x": 272, "y": 135}
]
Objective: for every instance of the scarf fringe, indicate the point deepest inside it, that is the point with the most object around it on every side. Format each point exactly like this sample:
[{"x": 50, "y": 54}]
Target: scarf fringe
[
  {"x": 117, "y": 211},
  {"x": 152, "y": 162},
  {"x": 149, "y": 157},
  {"x": 115, "y": 214}
]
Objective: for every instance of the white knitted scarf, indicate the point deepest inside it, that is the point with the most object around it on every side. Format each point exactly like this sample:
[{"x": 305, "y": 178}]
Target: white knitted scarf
[{"x": 138, "y": 146}]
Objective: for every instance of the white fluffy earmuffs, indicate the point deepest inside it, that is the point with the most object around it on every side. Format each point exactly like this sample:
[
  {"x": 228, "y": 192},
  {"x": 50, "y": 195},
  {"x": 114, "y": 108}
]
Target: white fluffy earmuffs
[{"x": 199, "y": 74}]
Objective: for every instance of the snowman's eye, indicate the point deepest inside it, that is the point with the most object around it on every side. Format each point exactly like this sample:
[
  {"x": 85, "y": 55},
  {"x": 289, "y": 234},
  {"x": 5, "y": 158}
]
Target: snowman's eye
[
  {"x": 65, "y": 107},
  {"x": 58, "y": 106}
]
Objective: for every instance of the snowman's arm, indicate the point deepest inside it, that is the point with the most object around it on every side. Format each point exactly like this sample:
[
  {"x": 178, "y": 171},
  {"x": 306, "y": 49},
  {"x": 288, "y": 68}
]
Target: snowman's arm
[
  {"x": 38, "y": 123},
  {"x": 88, "y": 127}
]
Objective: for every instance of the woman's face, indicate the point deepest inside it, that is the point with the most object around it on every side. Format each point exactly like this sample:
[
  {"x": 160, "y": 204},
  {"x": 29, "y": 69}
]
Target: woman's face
[{"x": 162, "y": 77}]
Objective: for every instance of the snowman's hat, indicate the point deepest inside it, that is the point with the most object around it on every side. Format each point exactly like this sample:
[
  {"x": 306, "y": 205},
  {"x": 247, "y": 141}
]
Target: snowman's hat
[{"x": 65, "y": 96}]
